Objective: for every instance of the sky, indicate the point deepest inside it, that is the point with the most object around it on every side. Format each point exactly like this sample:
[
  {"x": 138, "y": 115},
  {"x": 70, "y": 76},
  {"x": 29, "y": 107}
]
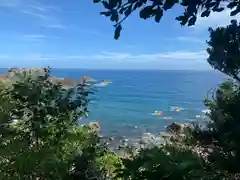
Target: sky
[{"x": 73, "y": 34}]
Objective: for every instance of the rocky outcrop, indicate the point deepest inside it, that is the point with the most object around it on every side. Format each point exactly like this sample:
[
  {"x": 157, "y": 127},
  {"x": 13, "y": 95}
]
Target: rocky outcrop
[
  {"x": 176, "y": 128},
  {"x": 13, "y": 75}
]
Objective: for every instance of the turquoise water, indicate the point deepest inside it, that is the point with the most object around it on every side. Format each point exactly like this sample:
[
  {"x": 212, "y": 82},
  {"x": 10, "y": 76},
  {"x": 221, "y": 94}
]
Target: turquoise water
[{"x": 125, "y": 106}]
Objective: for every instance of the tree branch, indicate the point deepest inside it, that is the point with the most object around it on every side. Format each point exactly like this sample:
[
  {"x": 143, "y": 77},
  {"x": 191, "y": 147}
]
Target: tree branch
[{"x": 235, "y": 76}]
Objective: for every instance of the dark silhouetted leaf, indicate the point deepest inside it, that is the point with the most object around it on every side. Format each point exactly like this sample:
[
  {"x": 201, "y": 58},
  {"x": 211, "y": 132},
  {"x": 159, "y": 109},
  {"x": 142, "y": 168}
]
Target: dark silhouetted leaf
[
  {"x": 122, "y": 10},
  {"x": 96, "y": 1},
  {"x": 192, "y": 21},
  {"x": 205, "y": 13},
  {"x": 157, "y": 3},
  {"x": 128, "y": 11},
  {"x": 183, "y": 19},
  {"x": 113, "y": 3},
  {"x": 117, "y": 32},
  {"x": 106, "y": 5},
  {"x": 131, "y": 1},
  {"x": 218, "y": 9},
  {"x": 108, "y": 13},
  {"x": 232, "y": 5},
  {"x": 169, "y": 4},
  {"x": 146, "y": 12},
  {"x": 119, "y": 3},
  {"x": 114, "y": 17},
  {"x": 210, "y": 5},
  {"x": 159, "y": 14},
  {"x": 137, "y": 5},
  {"x": 235, "y": 12}
]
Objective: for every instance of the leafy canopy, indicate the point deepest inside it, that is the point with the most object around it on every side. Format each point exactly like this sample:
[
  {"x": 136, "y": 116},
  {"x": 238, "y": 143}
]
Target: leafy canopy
[
  {"x": 224, "y": 49},
  {"x": 40, "y": 137},
  {"x": 120, "y": 10}
]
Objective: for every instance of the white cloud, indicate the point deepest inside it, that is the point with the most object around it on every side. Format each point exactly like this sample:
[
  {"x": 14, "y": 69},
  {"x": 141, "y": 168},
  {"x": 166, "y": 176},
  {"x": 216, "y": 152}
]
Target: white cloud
[
  {"x": 215, "y": 19},
  {"x": 38, "y": 37},
  {"x": 177, "y": 55},
  {"x": 57, "y": 26},
  {"x": 35, "y": 14},
  {"x": 189, "y": 39},
  {"x": 34, "y": 37},
  {"x": 38, "y": 56},
  {"x": 114, "y": 60},
  {"x": 34, "y": 8}
]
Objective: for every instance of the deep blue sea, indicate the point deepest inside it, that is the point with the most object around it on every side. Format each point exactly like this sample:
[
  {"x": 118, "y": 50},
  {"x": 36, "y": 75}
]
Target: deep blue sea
[{"x": 125, "y": 106}]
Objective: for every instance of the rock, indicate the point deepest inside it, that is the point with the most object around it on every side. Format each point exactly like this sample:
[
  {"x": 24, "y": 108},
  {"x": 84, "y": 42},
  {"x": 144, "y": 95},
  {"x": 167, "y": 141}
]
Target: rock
[
  {"x": 176, "y": 128},
  {"x": 95, "y": 126},
  {"x": 111, "y": 139},
  {"x": 142, "y": 142},
  {"x": 165, "y": 134},
  {"x": 150, "y": 140}
]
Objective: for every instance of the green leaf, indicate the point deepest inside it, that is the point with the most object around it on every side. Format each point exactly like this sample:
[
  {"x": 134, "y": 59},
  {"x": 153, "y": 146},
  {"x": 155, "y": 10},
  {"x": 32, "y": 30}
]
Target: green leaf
[
  {"x": 159, "y": 14},
  {"x": 117, "y": 32}
]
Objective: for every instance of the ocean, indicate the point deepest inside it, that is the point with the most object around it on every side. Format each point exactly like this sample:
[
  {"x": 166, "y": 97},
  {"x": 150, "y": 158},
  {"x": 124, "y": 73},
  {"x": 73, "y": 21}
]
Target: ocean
[{"x": 125, "y": 106}]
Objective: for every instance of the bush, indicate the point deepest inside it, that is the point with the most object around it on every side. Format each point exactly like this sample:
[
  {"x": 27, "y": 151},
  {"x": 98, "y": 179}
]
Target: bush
[{"x": 40, "y": 137}]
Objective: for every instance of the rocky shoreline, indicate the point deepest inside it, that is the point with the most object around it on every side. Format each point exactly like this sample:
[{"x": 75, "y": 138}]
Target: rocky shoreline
[{"x": 119, "y": 144}]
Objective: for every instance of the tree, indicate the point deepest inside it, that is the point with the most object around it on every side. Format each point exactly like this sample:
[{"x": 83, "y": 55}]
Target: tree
[
  {"x": 119, "y": 10},
  {"x": 40, "y": 137},
  {"x": 224, "y": 49}
]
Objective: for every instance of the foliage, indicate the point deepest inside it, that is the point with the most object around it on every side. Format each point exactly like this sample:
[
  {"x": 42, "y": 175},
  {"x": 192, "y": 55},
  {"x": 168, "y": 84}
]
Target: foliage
[
  {"x": 166, "y": 162},
  {"x": 39, "y": 134},
  {"x": 224, "y": 49},
  {"x": 221, "y": 137},
  {"x": 120, "y": 10}
]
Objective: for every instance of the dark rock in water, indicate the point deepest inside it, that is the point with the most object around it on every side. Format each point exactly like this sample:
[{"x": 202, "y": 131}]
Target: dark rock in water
[
  {"x": 179, "y": 129},
  {"x": 111, "y": 139},
  {"x": 125, "y": 140},
  {"x": 175, "y": 128},
  {"x": 142, "y": 142}
]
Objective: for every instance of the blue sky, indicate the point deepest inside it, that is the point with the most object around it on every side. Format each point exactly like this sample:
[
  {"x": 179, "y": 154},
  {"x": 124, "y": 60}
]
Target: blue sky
[{"x": 72, "y": 34}]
